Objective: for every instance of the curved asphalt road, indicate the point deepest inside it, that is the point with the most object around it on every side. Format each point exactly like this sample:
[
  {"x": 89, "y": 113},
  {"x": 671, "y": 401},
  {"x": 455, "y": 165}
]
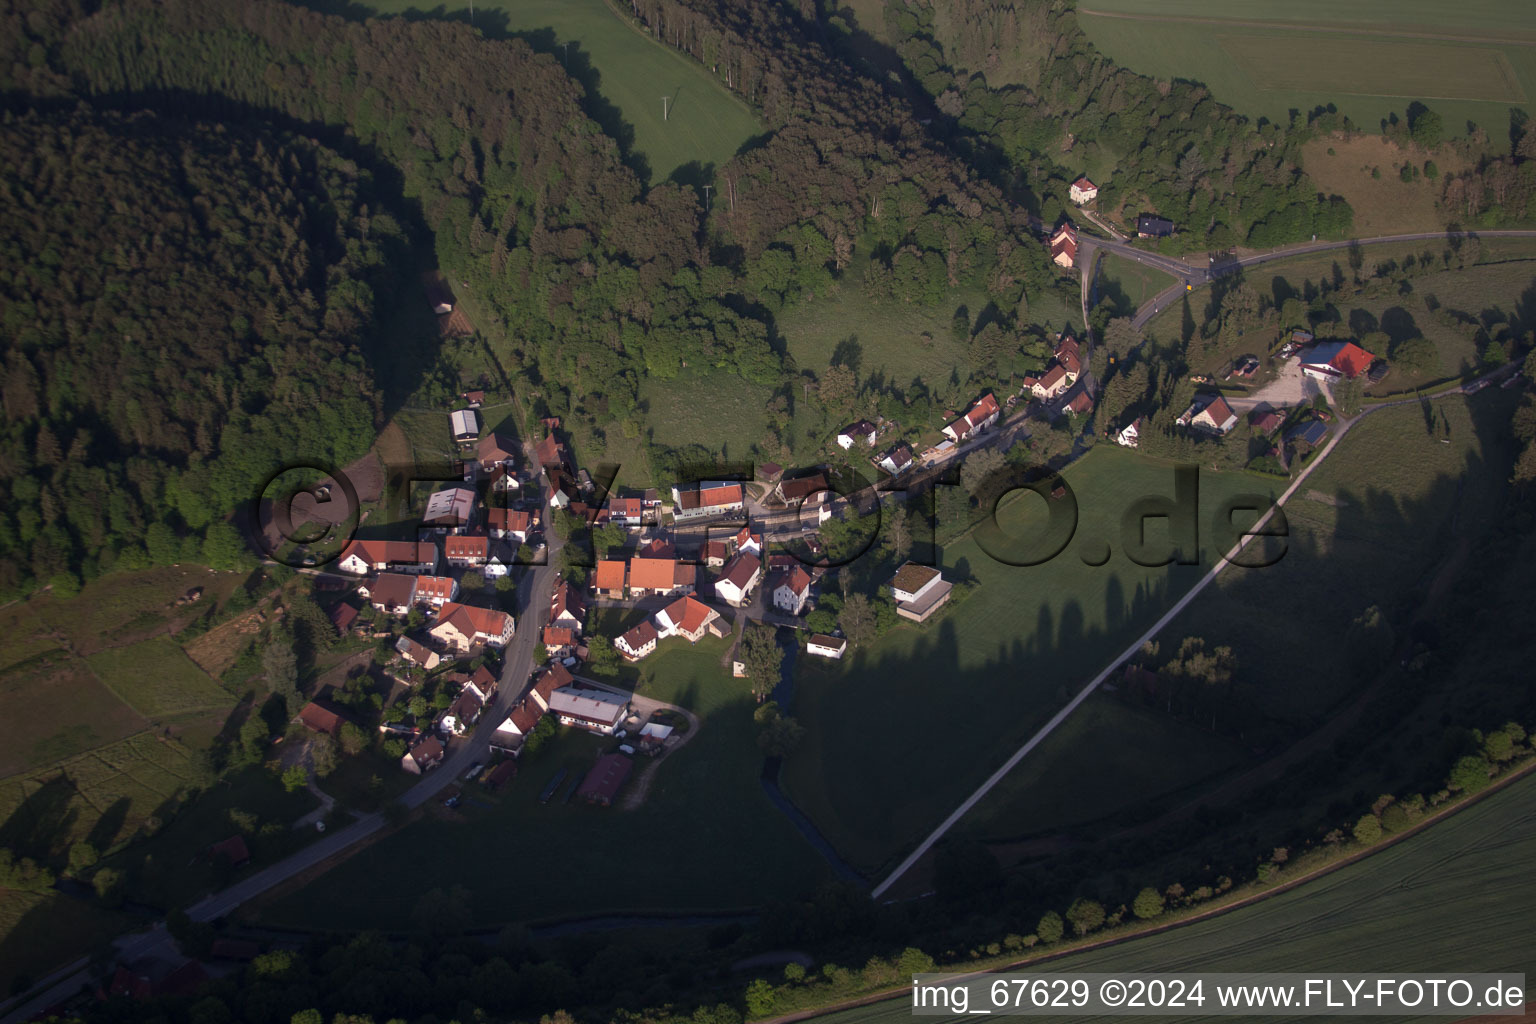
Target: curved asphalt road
[{"x": 1192, "y": 277}]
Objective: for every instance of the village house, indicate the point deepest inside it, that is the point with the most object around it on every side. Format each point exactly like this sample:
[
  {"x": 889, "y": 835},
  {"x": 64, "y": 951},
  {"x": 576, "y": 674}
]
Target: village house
[
  {"x": 474, "y": 398},
  {"x": 344, "y": 617},
  {"x": 558, "y": 640},
  {"x": 919, "y": 590},
  {"x": 496, "y": 451},
  {"x": 417, "y": 653},
  {"x": 737, "y": 579},
  {"x": 463, "y": 627},
  {"x": 824, "y": 646},
  {"x": 1064, "y": 247},
  {"x": 708, "y": 499},
  {"x": 594, "y": 710},
  {"x": 547, "y": 682},
  {"x": 566, "y": 607},
  {"x": 982, "y": 414},
  {"x": 802, "y": 489},
  {"x": 688, "y": 618},
  {"x": 1069, "y": 356},
  {"x": 466, "y": 550},
  {"x": 1055, "y": 382},
  {"x": 627, "y": 512},
  {"x": 1129, "y": 435},
  {"x": 659, "y": 577},
  {"x": 392, "y": 593},
  {"x": 1082, "y": 191},
  {"x": 863, "y": 431},
  {"x": 1212, "y": 415},
  {"x": 793, "y": 591},
  {"x": 750, "y": 542},
  {"x": 1336, "y": 360},
  {"x": 552, "y": 455},
  {"x": 463, "y": 713},
  {"x": 1266, "y": 420},
  {"x": 638, "y": 641},
  {"x": 482, "y": 684},
  {"x": 608, "y": 579},
  {"x": 1079, "y": 404},
  {"x": 513, "y": 732},
  {"x": 425, "y": 755},
  {"x": 465, "y": 425},
  {"x": 715, "y": 553},
  {"x": 364, "y": 556},
  {"x": 449, "y": 508},
  {"x": 436, "y": 591},
  {"x": 658, "y": 546},
  {"x": 522, "y": 720},
  {"x": 504, "y": 523},
  {"x": 1150, "y": 225},
  {"x": 602, "y": 784},
  {"x": 897, "y": 460},
  {"x": 319, "y": 717}
]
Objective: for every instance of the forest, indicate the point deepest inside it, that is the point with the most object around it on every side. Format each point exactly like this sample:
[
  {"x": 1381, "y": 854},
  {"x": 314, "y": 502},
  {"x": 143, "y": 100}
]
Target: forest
[{"x": 183, "y": 301}]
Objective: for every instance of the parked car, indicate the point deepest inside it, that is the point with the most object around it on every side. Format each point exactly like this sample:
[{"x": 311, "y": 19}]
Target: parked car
[{"x": 475, "y": 769}]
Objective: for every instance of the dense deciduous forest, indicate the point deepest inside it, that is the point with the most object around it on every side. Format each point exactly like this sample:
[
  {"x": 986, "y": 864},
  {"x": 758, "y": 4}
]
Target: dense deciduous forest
[{"x": 181, "y": 301}]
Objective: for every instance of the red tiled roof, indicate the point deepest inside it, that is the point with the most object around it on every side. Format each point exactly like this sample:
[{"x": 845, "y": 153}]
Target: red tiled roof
[
  {"x": 688, "y": 614},
  {"x": 559, "y": 636},
  {"x": 483, "y": 679},
  {"x": 640, "y": 635},
  {"x": 429, "y": 749},
  {"x": 434, "y": 587},
  {"x": 376, "y": 552},
  {"x": 741, "y": 569},
  {"x": 710, "y": 497},
  {"x": 798, "y": 580},
  {"x": 320, "y": 718},
  {"x": 1352, "y": 360},
  {"x": 342, "y": 616},
  {"x": 232, "y": 849},
  {"x": 802, "y": 487},
  {"x": 470, "y": 620},
  {"x": 551, "y": 679},
  {"x": 466, "y": 545},
  {"x": 716, "y": 549},
  {"x": 652, "y": 574},
  {"x": 1084, "y": 184},
  {"x": 525, "y": 716},
  {"x": 465, "y": 705},
  {"x": 610, "y": 575},
  {"x": 508, "y": 520},
  {"x": 496, "y": 447},
  {"x": 1081, "y": 403},
  {"x": 627, "y": 507}
]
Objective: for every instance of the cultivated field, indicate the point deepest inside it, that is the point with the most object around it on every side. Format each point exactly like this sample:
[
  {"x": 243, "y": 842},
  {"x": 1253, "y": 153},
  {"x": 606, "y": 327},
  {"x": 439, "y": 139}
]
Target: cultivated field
[
  {"x": 158, "y": 680},
  {"x": 1456, "y": 897},
  {"x": 630, "y": 73},
  {"x": 39, "y": 931},
  {"x": 900, "y": 733},
  {"x": 705, "y": 838},
  {"x": 1265, "y": 58}
]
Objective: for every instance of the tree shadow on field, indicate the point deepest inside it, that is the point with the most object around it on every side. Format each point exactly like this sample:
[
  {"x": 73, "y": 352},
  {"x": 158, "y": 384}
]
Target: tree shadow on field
[{"x": 40, "y": 825}]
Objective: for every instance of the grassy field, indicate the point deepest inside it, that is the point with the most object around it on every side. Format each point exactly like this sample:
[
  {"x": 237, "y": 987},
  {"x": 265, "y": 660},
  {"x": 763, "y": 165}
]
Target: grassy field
[
  {"x": 899, "y": 733},
  {"x": 1265, "y": 58},
  {"x": 1372, "y": 526},
  {"x": 1139, "y": 759},
  {"x": 1383, "y": 205},
  {"x": 1451, "y": 898},
  {"x": 706, "y": 836},
  {"x": 716, "y": 409},
  {"x": 1128, "y": 284},
  {"x": 157, "y": 679},
  {"x": 630, "y": 74}
]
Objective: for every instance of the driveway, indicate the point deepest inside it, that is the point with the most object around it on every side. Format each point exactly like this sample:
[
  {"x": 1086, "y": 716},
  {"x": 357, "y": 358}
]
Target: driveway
[{"x": 1290, "y": 388}]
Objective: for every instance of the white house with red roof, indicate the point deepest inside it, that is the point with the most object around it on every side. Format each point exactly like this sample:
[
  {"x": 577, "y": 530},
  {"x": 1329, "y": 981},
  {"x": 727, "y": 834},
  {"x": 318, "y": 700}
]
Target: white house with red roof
[
  {"x": 1055, "y": 381},
  {"x": 1213, "y": 415},
  {"x": 863, "y": 431},
  {"x": 1336, "y": 360},
  {"x": 1064, "y": 246},
  {"x": 638, "y": 641},
  {"x": 1083, "y": 191},
  {"x": 436, "y": 591},
  {"x": 793, "y": 592},
  {"x": 466, "y": 550},
  {"x": 566, "y": 608},
  {"x": 686, "y": 617},
  {"x": 503, "y": 523},
  {"x": 982, "y": 414},
  {"x": 708, "y": 499},
  {"x": 740, "y": 575},
  {"x": 363, "y": 556},
  {"x": 464, "y": 626}
]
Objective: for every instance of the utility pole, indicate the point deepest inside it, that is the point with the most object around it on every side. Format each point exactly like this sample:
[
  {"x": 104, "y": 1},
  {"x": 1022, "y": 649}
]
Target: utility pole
[
  {"x": 706, "y": 197},
  {"x": 566, "y": 60},
  {"x": 664, "y": 107}
]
